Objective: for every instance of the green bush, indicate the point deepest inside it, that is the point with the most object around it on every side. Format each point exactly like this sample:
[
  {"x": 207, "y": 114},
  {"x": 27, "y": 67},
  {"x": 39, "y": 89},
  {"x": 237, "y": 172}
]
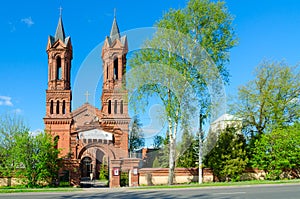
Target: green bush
[
  {"x": 124, "y": 181},
  {"x": 103, "y": 174}
]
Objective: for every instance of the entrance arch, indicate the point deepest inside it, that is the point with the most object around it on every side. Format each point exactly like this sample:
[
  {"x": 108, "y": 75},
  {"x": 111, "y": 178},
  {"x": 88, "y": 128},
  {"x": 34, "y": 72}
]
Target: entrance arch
[
  {"x": 93, "y": 158},
  {"x": 107, "y": 149}
]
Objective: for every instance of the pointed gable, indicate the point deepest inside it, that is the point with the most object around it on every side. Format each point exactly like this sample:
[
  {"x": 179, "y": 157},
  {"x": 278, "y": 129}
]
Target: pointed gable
[
  {"x": 59, "y": 36},
  {"x": 114, "y": 40},
  {"x": 114, "y": 33},
  {"x": 86, "y": 116},
  {"x": 60, "y": 32}
]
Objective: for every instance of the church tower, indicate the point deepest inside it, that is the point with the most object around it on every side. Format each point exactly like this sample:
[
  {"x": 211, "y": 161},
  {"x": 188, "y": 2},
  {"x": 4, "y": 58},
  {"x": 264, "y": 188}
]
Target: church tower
[
  {"x": 58, "y": 117},
  {"x": 114, "y": 95}
]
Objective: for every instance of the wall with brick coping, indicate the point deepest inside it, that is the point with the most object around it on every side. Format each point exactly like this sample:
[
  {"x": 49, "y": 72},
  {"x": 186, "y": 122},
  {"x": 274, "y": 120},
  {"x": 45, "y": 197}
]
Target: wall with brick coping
[
  {"x": 10, "y": 181},
  {"x": 157, "y": 176}
]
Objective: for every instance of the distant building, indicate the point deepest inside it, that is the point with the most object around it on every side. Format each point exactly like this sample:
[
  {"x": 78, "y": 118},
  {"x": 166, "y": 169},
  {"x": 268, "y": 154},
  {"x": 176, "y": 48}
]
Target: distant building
[
  {"x": 225, "y": 121},
  {"x": 217, "y": 126}
]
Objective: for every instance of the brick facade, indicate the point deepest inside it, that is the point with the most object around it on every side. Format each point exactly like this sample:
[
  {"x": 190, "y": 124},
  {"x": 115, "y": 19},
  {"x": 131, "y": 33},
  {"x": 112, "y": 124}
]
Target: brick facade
[{"x": 87, "y": 136}]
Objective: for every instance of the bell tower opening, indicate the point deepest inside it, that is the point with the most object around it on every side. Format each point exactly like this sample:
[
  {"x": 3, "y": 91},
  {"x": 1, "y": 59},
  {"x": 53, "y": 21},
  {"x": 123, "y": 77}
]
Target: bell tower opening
[
  {"x": 116, "y": 69},
  {"x": 64, "y": 107},
  {"x": 106, "y": 72},
  {"x": 121, "y": 107},
  {"x": 51, "y": 107},
  {"x": 116, "y": 107},
  {"x": 58, "y": 68},
  {"x": 109, "y": 106},
  {"x": 57, "y": 107}
]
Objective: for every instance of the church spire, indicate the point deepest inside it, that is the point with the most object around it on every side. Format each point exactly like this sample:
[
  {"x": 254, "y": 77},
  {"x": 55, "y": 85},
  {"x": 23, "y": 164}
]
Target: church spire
[
  {"x": 60, "y": 32},
  {"x": 114, "y": 33}
]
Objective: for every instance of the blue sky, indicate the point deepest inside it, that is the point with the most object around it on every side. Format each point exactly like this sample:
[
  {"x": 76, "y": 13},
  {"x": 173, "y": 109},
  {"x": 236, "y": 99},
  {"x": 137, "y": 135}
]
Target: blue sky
[{"x": 267, "y": 29}]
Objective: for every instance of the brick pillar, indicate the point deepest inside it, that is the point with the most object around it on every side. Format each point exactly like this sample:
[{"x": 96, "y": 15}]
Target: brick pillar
[
  {"x": 134, "y": 177},
  {"x": 115, "y": 172},
  {"x": 73, "y": 168}
]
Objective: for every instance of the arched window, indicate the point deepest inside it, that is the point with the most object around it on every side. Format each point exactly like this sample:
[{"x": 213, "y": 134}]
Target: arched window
[
  {"x": 116, "y": 107},
  {"x": 56, "y": 142},
  {"x": 51, "y": 107},
  {"x": 116, "y": 68},
  {"x": 68, "y": 72},
  {"x": 58, "y": 67},
  {"x": 121, "y": 107},
  {"x": 109, "y": 106},
  {"x": 64, "y": 107},
  {"x": 57, "y": 107},
  {"x": 107, "y": 72}
]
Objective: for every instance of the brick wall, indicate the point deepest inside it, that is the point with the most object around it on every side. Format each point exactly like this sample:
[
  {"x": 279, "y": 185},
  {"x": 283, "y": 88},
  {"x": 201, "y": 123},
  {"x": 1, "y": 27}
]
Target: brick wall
[
  {"x": 158, "y": 176},
  {"x": 10, "y": 181}
]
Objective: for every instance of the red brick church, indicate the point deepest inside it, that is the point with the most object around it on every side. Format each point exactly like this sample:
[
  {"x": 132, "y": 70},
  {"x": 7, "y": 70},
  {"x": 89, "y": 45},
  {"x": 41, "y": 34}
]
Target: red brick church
[{"x": 88, "y": 136}]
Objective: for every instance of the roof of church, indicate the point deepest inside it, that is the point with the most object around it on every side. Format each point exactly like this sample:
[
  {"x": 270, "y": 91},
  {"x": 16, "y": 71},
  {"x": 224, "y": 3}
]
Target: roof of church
[
  {"x": 60, "y": 32},
  {"x": 86, "y": 106},
  {"x": 114, "y": 33},
  {"x": 86, "y": 117}
]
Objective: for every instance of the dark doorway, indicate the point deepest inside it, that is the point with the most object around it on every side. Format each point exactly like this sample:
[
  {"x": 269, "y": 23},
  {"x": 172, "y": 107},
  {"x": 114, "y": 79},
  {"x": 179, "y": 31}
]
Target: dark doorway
[{"x": 86, "y": 167}]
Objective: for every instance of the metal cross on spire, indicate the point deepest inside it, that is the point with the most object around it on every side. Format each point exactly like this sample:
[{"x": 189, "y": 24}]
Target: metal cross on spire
[
  {"x": 87, "y": 94},
  {"x": 60, "y": 11},
  {"x": 115, "y": 11}
]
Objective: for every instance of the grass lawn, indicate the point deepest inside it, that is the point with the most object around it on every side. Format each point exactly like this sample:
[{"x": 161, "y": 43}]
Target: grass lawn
[
  {"x": 216, "y": 184},
  {"x": 18, "y": 189}
]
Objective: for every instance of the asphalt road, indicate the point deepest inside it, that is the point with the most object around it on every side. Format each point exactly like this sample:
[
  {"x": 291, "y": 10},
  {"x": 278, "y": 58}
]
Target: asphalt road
[{"x": 286, "y": 191}]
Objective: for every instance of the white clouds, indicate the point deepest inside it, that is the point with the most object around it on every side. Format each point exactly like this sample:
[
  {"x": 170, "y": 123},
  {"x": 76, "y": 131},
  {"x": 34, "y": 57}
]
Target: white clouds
[
  {"x": 28, "y": 21},
  {"x": 5, "y": 101},
  {"x": 157, "y": 121},
  {"x": 17, "y": 111},
  {"x": 36, "y": 132},
  {"x": 12, "y": 26}
]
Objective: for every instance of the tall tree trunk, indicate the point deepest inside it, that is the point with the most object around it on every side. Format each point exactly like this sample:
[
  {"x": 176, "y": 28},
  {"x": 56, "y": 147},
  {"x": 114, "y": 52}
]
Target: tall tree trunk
[
  {"x": 200, "y": 148},
  {"x": 172, "y": 155},
  {"x": 171, "y": 161}
]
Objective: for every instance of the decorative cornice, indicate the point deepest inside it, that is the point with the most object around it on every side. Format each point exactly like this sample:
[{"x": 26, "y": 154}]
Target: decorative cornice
[{"x": 57, "y": 120}]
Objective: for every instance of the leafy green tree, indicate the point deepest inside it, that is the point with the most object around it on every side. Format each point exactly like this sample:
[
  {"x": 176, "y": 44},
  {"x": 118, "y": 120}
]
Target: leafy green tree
[
  {"x": 167, "y": 65},
  {"x": 155, "y": 163},
  {"x": 269, "y": 101},
  {"x": 228, "y": 158},
  {"x": 103, "y": 174},
  {"x": 34, "y": 158},
  {"x": 158, "y": 141},
  {"x": 163, "y": 154},
  {"x": 136, "y": 139},
  {"x": 188, "y": 150},
  {"x": 10, "y": 128},
  {"x": 209, "y": 24},
  {"x": 278, "y": 151}
]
